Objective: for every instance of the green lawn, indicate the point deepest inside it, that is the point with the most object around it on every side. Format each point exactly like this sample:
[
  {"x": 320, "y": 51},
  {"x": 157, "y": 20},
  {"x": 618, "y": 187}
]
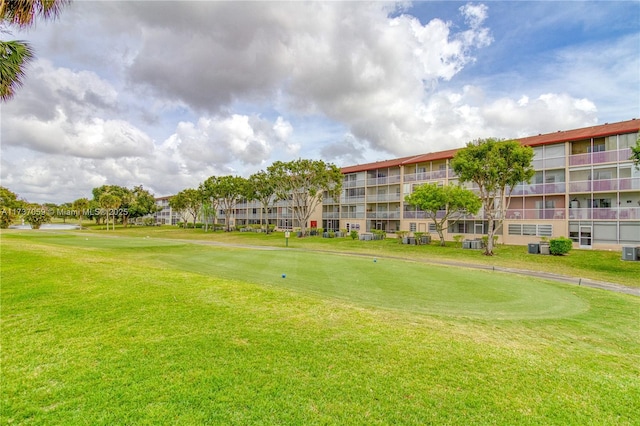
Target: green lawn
[{"x": 134, "y": 330}]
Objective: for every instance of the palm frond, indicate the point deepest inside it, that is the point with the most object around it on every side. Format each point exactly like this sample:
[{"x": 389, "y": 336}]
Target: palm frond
[{"x": 14, "y": 56}]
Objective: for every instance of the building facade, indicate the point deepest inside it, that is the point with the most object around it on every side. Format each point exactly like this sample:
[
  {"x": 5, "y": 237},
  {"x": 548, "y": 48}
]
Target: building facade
[{"x": 585, "y": 187}]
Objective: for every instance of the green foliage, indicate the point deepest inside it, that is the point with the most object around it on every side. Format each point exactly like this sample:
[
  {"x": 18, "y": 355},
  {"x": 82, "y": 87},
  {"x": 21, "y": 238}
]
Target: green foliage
[
  {"x": 142, "y": 203},
  {"x": 186, "y": 203},
  {"x": 15, "y": 54},
  {"x": 9, "y": 205},
  {"x": 304, "y": 183},
  {"x": 354, "y": 234},
  {"x": 262, "y": 187},
  {"x": 228, "y": 191},
  {"x": 496, "y": 167},
  {"x": 444, "y": 205},
  {"x": 36, "y": 215},
  {"x": 559, "y": 246},
  {"x": 635, "y": 154}
]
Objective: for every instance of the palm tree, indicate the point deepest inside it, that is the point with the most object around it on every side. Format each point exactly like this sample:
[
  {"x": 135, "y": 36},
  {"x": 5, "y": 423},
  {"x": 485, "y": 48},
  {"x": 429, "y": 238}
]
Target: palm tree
[
  {"x": 109, "y": 203},
  {"x": 15, "y": 54}
]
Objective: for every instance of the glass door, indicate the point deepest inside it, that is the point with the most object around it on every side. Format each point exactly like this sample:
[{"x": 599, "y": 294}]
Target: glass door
[{"x": 585, "y": 236}]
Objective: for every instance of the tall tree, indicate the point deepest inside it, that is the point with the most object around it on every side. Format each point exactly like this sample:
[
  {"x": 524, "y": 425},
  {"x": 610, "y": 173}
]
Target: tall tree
[
  {"x": 444, "y": 205},
  {"x": 109, "y": 203},
  {"x": 179, "y": 203},
  {"x": 229, "y": 191},
  {"x": 124, "y": 196},
  {"x": 210, "y": 201},
  {"x": 496, "y": 167},
  {"x": 81, "y": 205},
  {"x": 303, "y": 183},
  {"x": 141, "y": 203},
  {"x": 15, "y": 54},
  {"x": 193, "y": 199},
  {"x": 262, "y": 188}
]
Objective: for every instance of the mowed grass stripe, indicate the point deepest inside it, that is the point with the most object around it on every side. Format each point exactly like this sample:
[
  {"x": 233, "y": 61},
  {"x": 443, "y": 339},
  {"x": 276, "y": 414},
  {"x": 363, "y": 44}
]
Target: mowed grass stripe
[{"x": 94, "y": 337}]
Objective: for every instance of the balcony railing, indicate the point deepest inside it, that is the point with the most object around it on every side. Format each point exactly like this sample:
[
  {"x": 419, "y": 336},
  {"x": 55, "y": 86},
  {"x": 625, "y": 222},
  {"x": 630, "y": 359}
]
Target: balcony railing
[
  {"x": 383, "y": 215},
  {"x": 383, "y": 180},
  {"x": 353, "y": 183},
  {"x": 600, "y": 157},
  {"x": 540, "y": 188},
  {"x": 352, "y": 200},
  {"x": 331, "y": 215},
  {"x": 614, "y": 213},
  {"x": 352, "y": 215},
  {"x": 605, "y": 185},
  {"x": 548, "y": 163},
  {"x": 382, "y": 198},
  {"x": 425, "y": 176},
  {"x": 439, "y": 215}
]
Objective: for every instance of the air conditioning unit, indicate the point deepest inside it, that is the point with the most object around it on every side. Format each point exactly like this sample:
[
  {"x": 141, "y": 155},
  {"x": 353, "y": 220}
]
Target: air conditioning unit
[{"x": 631, "y": 253}]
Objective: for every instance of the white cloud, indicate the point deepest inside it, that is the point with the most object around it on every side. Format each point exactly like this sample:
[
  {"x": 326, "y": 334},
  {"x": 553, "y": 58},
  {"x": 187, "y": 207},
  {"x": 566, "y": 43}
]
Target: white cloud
[{"x": 165, "y": 94}]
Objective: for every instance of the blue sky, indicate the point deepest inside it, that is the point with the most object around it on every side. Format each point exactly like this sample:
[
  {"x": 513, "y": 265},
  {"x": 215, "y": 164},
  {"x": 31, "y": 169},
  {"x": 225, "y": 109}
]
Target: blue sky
[{"x": 166, "y": 94}]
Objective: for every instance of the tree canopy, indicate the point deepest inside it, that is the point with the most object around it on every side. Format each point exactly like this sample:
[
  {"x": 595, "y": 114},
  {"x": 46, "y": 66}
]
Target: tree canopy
[
  {"x": 303, "y": 183},
  {"x": 262, "y": 187},
  {"x": 496, "y": 167},
  {"x": 229, "y": 191},
  {"x": 444, "y": 205}
]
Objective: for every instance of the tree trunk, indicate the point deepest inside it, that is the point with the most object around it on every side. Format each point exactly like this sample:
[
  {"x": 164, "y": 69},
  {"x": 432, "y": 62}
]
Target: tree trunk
[{"x": 488, "y": 251}]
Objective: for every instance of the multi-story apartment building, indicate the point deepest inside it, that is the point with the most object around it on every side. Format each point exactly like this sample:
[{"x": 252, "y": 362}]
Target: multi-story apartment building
[
  {"x": 585, "y": 188},
  {"x": 165, "y": 215}
]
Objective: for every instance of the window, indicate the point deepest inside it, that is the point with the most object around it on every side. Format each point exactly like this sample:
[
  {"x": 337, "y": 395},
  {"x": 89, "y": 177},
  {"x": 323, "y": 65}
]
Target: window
[
  {"x": 530, "y": 229},
  {"x": 412, "y": 227}
]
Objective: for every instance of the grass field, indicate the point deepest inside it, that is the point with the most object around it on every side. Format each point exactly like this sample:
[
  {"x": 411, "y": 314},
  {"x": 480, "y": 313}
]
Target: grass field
[{"x": 136, "y": 330}]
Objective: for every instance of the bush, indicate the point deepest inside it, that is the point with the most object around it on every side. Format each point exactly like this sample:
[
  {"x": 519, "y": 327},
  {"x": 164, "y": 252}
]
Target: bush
[
  {"x": 354, "y": 234},
  {"x": 559, "y": 246}
]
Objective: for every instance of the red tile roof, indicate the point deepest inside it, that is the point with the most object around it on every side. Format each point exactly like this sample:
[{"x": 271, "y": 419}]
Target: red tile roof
[{"x": 601, "y": 130}]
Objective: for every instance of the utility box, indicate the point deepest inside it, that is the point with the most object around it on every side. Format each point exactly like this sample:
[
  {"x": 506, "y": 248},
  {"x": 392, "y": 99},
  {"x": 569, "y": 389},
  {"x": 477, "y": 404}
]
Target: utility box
[
  {"x": 545, "y": 248},
  {"x": 534, "y": 248},
  {"x": 631, "y": 253},
  {"x": 476, "y": 244},
  {"x": 466, "y": 244}
]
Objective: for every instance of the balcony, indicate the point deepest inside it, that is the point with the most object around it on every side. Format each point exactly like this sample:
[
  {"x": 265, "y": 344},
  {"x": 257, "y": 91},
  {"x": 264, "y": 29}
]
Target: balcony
[
  {"x": 540, "y": 188},
  {"x": 605, "y": 185},
  {"x": 382, "y": 198},
  {"x": 383, "y": 180},
  {"x": 352, "y": 215},
  {"x": 425, "y": 176},
  {"x": 352, "y": 200},
  {"x": 600, "y": 157},
  {"x": 614, "y": 213},
  {"x": 535, "y": 214},
  {"x": 331, "y": 215},
  {"x": 383, "y": 215},
  {"x": 439, "y": 215}
]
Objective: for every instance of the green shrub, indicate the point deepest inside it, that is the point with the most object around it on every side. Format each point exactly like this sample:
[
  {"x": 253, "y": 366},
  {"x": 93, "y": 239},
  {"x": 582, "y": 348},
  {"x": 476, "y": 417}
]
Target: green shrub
[
  {"x": 559, "y": 246},
  {"x": 354, "y": 234}
]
